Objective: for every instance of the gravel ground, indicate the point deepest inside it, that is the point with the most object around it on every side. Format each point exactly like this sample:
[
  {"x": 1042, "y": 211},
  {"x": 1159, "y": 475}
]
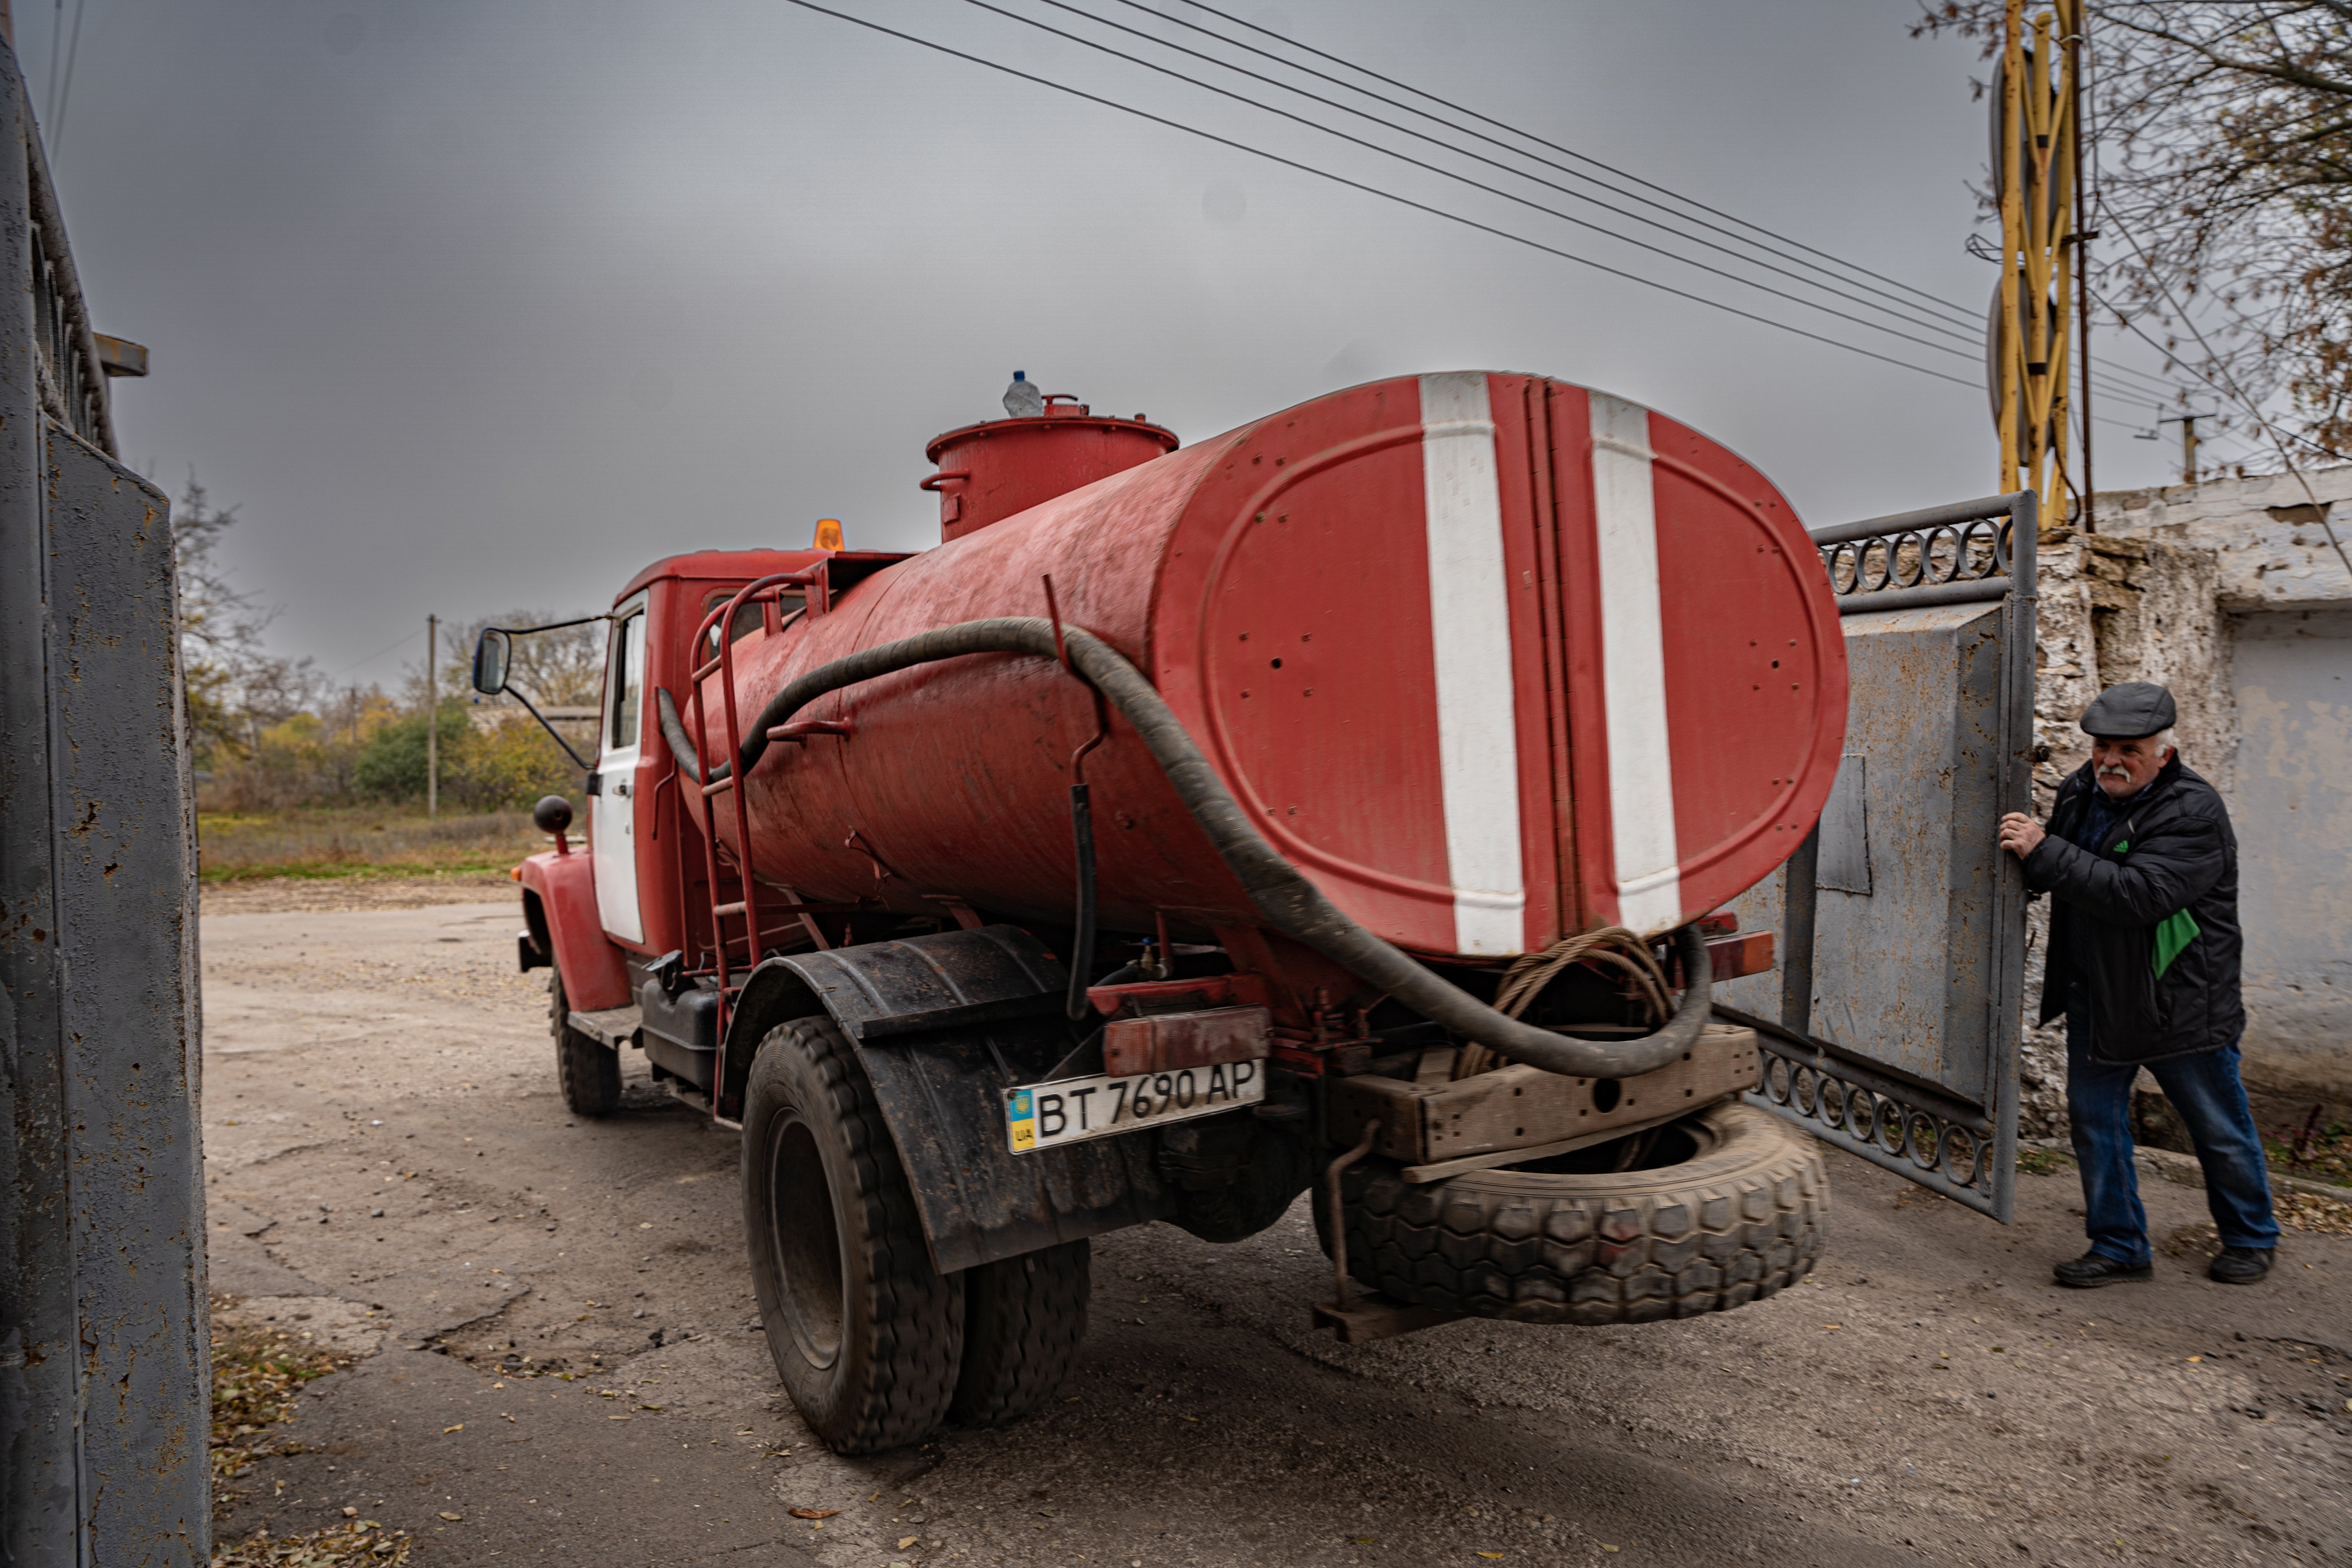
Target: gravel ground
[{"x": 391, "y": 1171}]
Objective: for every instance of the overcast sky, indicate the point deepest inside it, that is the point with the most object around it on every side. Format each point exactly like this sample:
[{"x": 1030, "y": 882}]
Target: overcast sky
[{"x": 471, "y": 305}]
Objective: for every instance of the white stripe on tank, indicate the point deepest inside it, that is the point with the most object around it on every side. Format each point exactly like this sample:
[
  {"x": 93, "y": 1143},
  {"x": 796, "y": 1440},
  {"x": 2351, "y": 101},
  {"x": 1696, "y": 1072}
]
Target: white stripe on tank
[
  {"x": 1470, "y": 626},
  {"x": 1633, "y": 669}
]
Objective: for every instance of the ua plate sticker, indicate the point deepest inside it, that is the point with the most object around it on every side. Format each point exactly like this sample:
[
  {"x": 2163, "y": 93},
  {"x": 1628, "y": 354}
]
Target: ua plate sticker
[{"x": 1044, "y": 1115}]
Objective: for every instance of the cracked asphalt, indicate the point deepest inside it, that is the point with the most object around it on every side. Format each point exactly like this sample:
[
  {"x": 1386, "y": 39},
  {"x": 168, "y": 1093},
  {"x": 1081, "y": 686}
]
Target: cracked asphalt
[{"x": 556, "y": 1358}]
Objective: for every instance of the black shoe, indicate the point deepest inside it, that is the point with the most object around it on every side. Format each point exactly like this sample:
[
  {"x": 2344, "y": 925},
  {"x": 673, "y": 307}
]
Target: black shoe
[
  {"x": 2240, "y": 1266},
  {"x": 2092, "y": 1271}
]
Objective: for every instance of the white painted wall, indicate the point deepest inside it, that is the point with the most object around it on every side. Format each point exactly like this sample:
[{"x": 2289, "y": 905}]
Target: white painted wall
[{"x": 2291, "y": 673}]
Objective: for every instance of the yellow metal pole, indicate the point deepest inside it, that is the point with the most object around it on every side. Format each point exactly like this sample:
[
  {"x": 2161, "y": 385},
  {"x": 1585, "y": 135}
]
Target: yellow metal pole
[{"x": 2039, "y": 157}]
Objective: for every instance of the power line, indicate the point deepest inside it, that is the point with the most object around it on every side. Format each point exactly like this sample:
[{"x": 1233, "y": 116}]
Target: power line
[
  {"x": 49, "y": 82},
  {"x": 65, "y": 92},
  {"x": 2128, "y": 325},
  {"x": 1813, "y": 279},
  {"x": 389, "y": 648},
  {"x": 1961, "y": 311},
  {"x": 1972, "y": 337},
  {"x": 1369, "y": 189}
]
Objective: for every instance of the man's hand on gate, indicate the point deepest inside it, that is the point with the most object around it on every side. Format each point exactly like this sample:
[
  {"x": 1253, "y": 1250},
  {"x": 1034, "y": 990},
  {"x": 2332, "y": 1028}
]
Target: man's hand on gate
[{"x": 2020, "y": 834}]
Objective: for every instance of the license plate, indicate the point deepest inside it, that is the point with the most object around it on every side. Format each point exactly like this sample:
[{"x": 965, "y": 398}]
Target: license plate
[{"x": 1045, "y": 1115}]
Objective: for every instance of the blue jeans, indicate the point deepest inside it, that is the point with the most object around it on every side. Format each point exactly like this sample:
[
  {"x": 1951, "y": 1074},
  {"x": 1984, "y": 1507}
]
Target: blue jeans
[{"x": 2207, "y": 1092}]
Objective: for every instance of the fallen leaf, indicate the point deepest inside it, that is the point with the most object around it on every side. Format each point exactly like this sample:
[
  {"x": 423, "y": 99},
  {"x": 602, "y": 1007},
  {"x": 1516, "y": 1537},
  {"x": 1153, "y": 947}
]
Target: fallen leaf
[
  {"x": 1364, "y": 1541},
  {"x": 876, "y": 1498},
  {"x": 812, "y": 1512},
  {"x": 1193, "y": 1418},
  {"x": 2197, "y": 1358},
  {"x": 460, "y": 1426},
  {"x": 1490, "y": 1554},
  {"x": 1833, "y": 1325},
  {"x": 907, "y": 1540},
  {"x": 619, "y": 1418},
  {"x": 453, "y": 1518}
]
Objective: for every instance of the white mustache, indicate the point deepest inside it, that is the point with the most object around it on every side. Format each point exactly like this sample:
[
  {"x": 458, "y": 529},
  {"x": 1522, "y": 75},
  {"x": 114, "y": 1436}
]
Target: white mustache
[{"x": 2117, "y": 772}]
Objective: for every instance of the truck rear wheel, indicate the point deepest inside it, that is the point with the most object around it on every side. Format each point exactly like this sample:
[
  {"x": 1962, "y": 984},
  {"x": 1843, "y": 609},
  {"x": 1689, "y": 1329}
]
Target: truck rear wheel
[
  {"x": 1729, "y": 1210},
  {"x": 865, "y": 1335},
  {"x": 587, "y": 1070},
  {"x": 1023, "y": 1319}
]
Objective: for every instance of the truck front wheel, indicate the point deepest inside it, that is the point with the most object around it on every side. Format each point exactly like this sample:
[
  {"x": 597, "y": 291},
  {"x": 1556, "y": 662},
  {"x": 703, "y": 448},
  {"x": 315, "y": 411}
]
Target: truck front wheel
[
  {"x": 866, "y": 1336},
  {"x": 587, "y": 1070}
]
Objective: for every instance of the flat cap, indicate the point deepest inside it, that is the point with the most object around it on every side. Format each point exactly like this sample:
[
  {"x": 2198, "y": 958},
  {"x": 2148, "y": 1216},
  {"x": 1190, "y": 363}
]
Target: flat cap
[{"x": 2132, "y": 711}]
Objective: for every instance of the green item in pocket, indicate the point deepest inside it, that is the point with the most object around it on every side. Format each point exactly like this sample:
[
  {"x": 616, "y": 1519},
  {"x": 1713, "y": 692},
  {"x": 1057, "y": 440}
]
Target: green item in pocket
[{"x": 2174, "y": 934}]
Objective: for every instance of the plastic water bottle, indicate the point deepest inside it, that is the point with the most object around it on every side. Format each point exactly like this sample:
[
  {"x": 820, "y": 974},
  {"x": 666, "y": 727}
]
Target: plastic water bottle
[{"x": 1022, "y": 399}]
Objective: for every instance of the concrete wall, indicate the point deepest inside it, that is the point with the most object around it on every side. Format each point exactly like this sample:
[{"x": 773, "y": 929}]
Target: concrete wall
[{"x": 2231, "y": 595}]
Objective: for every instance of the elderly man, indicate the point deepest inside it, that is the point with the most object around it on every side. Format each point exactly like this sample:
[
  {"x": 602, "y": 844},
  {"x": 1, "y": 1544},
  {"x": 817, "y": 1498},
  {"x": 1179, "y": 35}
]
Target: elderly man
[{"x": 2144, "y": 947}]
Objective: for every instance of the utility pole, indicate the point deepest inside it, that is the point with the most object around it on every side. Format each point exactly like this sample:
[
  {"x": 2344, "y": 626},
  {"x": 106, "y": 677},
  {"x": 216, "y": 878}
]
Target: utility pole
[
  {"x": 431, "y": 719},
  {"x": 2187, "y": 423}
]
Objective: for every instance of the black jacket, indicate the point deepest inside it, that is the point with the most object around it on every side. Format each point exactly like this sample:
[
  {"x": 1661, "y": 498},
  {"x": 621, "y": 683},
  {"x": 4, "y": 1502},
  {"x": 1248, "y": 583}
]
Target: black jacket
[{"x": 2161, "y": 895}]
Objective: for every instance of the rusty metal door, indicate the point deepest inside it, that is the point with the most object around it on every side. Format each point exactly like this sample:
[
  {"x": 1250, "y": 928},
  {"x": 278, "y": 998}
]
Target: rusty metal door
[{"x": 1891, "y": 1029}]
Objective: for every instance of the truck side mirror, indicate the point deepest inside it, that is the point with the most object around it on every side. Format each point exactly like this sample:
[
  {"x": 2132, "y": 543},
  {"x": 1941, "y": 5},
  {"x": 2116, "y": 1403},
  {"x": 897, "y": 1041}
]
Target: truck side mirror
[{"x": 491, "y": 654}]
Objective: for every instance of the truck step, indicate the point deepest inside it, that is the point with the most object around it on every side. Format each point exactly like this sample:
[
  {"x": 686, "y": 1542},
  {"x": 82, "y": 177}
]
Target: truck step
[{"x": 614, "y": 1027}]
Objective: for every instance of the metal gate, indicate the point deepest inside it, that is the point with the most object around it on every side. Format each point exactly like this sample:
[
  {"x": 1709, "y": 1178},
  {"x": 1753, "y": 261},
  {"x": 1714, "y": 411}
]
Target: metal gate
[
  {"x": 1901, "y": 922},
  {"x": 103, "y": 1367}
]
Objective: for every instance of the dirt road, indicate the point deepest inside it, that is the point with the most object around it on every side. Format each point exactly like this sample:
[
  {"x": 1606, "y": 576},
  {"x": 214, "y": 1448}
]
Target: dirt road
[{"x": 390, "y": 1170}]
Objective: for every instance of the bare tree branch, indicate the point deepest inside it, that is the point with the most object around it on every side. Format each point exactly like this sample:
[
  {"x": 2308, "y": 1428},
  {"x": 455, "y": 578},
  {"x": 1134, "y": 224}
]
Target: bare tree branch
[{"x": 2223, "y": 142}]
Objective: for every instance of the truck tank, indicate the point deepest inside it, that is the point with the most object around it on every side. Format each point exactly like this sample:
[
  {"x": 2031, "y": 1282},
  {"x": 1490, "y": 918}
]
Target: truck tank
[{"x": 1492, "y": 658}]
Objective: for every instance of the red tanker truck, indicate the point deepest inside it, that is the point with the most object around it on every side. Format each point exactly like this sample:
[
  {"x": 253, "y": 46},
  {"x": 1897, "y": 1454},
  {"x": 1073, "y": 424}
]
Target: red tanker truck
[{"x": 1346, "y": 803}]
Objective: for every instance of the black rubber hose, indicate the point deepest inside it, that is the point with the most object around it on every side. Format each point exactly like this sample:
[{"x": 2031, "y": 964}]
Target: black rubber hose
[
  {"x": 1082, "y": 943},
  {"x": 1290, "y": 903}
]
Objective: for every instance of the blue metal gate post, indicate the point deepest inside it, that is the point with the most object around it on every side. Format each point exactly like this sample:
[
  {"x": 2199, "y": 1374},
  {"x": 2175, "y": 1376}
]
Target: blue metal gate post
[{"x": 104, "y": 1375}]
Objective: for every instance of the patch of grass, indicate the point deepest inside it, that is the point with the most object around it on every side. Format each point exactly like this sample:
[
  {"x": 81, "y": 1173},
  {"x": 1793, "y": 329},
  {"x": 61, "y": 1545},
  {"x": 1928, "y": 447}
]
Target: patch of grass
[
  {"x": 2041, "y": 1162},
  {"x": 2328, "y": 1157},
  {"x": 359, "y": 841}
]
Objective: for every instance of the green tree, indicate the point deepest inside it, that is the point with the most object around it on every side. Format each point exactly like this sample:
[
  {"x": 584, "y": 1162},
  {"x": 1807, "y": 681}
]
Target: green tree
[{"x": 391, "y": 767}]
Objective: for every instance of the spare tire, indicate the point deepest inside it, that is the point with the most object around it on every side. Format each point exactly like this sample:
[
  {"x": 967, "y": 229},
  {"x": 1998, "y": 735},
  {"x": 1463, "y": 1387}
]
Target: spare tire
[{"x": 1734, "y": 1215}]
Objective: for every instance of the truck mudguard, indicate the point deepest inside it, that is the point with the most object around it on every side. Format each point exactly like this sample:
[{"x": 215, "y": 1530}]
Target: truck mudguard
[
  {"x": 595, "y": 976},
  {"x": 944, "y": 1025}
]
